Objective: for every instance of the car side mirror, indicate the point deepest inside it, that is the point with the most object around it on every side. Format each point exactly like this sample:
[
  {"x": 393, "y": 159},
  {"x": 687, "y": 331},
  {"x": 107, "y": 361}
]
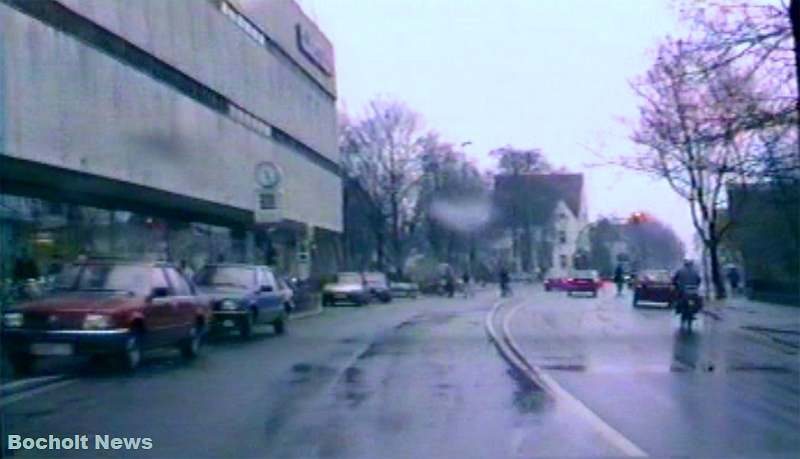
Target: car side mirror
[
  {"x": 265, "y": 288},
  {"x": 158, "y": 292}
]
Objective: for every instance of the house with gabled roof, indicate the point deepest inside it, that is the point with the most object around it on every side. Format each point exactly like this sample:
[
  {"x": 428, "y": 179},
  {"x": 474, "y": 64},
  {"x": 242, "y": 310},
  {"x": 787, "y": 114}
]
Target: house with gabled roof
[{"x": 544, "y": 216}]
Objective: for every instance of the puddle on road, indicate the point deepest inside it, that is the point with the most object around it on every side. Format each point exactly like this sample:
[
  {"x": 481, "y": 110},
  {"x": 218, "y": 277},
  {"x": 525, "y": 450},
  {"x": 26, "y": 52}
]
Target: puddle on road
[{"x": 303, "y": 373}]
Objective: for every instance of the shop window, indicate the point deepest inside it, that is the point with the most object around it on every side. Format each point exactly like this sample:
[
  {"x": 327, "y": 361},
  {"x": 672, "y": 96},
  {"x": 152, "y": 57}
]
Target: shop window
[{"x": 562, "y": 237}]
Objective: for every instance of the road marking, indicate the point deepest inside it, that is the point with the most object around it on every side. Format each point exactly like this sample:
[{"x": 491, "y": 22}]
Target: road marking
[
  {"x": 543, "y": 380},
  {"x": 30, "y": 393}
]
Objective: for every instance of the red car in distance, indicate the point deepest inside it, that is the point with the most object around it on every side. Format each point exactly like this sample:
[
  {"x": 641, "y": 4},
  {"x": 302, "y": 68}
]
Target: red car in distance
[
  {"x": 584, "y": 281},
  {"x": 654, "y": 286},
  {"x": 108, "y": 308}
]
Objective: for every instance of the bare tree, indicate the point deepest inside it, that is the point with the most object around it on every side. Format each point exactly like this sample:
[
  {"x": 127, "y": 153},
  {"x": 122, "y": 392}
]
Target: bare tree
[
  {"x": 516, "y": 161},
  {"x": 381, "y": 150},
  {"x": 696, "y": 129},
  {"x": 759, "y": 38}
]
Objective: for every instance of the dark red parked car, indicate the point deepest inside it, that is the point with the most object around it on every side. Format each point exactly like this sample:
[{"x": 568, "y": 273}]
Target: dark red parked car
[
  {"x": 108, "y": 308},
  {"x": 654, "y": 286}
]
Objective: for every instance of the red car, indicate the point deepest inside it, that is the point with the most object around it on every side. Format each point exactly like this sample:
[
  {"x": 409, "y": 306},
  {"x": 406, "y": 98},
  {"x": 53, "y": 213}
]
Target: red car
[
  {"x": 554, "y": 283},
  {"x": 108, "y": 308},
  {"x": 654, "y": 286},
  {"x": 584, "y": 281}
]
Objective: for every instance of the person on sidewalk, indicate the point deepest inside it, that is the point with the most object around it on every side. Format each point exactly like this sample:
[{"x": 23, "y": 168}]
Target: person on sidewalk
[
  {"x": 734, "y": 278},
  {"x": 505, "y": 280},
  {"x": 465, "y": 278},
  {"x": 619, "y": 278}
]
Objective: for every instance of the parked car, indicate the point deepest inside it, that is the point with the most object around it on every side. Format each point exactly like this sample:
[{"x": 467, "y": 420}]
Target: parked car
[
  {"x": 350, "y": 287},
  {"x": 378, "y": 286},
  {"x": 654, "y": 286},
  {"x": 554, "y": 284},
  {"x": 407, "y": 289},
  {"x": 583, "y": 281},
  {"x": 243, "y": 296},
  {"x": 108, "y": 308},
  {"x": 522, "y": 277}
]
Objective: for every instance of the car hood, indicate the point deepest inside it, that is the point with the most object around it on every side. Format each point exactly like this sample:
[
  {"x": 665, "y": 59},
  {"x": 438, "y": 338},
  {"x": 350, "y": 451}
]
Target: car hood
[{"x": 80, "y": 302}]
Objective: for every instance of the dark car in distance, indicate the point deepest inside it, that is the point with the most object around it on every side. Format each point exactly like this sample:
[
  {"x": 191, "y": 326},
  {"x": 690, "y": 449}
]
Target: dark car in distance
[
  {"x": 108, "y": 308},
  {"x": 378, "y": 286},
  {"x": 654, "y": 286},
  {"x": 243, "y": 296}
]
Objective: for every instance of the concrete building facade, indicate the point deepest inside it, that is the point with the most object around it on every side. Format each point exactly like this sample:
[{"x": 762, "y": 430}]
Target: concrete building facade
[{"x": 162, "y": 111}]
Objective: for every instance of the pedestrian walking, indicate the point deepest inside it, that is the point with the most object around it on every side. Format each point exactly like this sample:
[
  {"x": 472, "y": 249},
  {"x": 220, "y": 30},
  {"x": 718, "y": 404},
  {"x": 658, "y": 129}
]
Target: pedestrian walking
[
  {"x": 619, "y": 278},
  {"x": 465, "y": 279},
  {"x": 734, "y": 278}
]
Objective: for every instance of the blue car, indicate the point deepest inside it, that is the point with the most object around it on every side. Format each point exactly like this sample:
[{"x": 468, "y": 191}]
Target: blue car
[{"x": 243, "y": 296}]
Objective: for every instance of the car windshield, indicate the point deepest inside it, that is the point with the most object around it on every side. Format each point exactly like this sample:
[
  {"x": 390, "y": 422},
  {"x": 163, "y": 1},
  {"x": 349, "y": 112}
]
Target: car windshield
[
  {"x": 226, "y": 276},
  {"x": 349, "y": 278},
  {"x": 107, "y": 277}
]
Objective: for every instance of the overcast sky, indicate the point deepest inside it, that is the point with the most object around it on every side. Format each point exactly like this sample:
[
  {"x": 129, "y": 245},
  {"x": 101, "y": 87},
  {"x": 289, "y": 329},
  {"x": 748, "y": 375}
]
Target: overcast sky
[{"x": 552, "y": 74}]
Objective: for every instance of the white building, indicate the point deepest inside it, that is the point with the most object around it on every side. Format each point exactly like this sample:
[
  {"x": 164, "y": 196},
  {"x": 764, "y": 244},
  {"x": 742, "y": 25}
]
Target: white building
[{"x": 545, "y": 218}]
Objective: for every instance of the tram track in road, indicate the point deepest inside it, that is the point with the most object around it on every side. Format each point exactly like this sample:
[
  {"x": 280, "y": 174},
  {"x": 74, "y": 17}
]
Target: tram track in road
[{"x": 497, "y": 327}]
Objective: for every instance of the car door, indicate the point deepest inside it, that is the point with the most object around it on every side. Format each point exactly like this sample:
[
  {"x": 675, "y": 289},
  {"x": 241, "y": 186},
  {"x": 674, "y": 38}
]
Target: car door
[
  {"x": 183, "y": 302},
  {"x": 269, "y": 298},
  {"x": 159, "y": 312}
]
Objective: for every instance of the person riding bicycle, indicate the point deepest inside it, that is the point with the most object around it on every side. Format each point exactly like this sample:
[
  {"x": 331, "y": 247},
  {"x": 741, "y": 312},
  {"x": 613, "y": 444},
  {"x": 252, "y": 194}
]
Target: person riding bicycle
[
  {"x": 686, "y": 281},
  {"x": 505, "y": 279}
]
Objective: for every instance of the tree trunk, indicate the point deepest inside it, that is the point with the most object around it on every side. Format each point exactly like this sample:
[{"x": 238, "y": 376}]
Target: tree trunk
[
  {"x": 716, "y": 269},
  {"x": 794, "y": 15}
]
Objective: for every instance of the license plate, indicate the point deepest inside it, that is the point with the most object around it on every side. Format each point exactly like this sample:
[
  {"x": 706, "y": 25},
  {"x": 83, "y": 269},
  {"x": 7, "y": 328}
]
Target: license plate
[
  {"x": 228, "y": 323},
  {"x": 51, "y": 349}
]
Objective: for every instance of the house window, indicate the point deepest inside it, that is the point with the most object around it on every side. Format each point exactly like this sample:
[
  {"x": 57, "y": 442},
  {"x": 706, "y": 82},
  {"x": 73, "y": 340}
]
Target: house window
[
  {"x": 562, "y": 237},
  {"x": 563, "y": 261}
]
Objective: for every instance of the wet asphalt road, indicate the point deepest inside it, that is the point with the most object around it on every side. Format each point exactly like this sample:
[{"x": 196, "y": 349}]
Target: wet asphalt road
[
  {"x": 420, "y": 379},
  {"x": 719, "y": 391}
]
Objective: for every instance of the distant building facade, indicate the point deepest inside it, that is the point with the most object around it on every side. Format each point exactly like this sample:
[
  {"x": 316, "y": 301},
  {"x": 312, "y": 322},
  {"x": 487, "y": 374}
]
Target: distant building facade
[{"x": 138, "y": 129}]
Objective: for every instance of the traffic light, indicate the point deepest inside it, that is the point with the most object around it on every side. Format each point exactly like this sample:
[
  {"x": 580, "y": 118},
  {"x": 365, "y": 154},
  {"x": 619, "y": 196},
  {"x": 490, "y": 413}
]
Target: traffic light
[{"x": 638, "y": 217}]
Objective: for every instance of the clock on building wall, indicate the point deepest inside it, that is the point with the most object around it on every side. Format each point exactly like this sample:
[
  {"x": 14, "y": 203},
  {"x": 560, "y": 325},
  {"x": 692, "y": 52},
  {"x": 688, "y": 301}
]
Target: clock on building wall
[{"x": 268, "y": 175}]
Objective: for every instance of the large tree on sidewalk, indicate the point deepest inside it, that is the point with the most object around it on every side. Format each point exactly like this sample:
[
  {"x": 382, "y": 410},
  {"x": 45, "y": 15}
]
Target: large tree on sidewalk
[
  {"x": 757, "y": 37},
  {"x": 695, "y": 130},
  {"x": 381, "y": 150}
]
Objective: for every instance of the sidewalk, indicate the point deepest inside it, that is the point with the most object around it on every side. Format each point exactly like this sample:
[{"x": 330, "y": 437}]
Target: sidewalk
[{"x": 779, "y": 323}]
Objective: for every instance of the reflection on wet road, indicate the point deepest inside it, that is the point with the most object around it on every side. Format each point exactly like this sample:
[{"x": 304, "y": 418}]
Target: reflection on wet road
[{"x": 715, "y": 391}]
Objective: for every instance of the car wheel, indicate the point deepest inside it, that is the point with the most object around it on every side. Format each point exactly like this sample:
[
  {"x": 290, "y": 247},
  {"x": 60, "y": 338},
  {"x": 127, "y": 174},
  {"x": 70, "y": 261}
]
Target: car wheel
[
  {"x": 191, "y": 346},
  {"x": 594, "y": 294},
  {"x": 21, "y": 363},
  {"x": 569, "y": 293},
  {"x": 246, "y": 325},
  {"x": 280, "y": 325},
  {"x": 131, "y": 358}
]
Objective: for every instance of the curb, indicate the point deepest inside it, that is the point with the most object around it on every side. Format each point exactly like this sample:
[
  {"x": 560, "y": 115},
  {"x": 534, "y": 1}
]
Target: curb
[
  {"x": 27, "y": 384},
  {"x": 303, "y": 315}
]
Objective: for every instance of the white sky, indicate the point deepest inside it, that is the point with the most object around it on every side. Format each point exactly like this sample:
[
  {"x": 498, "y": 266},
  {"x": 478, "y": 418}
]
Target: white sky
[{"x": 551, "y": 74}]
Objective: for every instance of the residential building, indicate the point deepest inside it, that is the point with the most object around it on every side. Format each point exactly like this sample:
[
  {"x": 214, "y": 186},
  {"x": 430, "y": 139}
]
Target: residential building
[{"x": 545, "y": 216}]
